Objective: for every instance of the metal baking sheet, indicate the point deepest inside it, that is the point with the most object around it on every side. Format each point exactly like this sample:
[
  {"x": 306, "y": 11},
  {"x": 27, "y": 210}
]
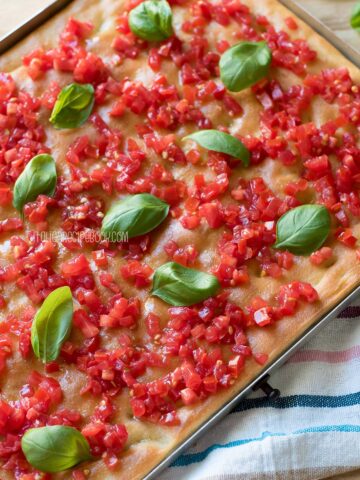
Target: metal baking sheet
[{"x": 54, "y": 7}]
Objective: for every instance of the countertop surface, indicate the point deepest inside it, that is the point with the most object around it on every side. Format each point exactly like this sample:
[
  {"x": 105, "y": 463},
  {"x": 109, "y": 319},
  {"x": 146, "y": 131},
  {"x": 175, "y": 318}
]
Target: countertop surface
[{"x": 334, "y": 13}]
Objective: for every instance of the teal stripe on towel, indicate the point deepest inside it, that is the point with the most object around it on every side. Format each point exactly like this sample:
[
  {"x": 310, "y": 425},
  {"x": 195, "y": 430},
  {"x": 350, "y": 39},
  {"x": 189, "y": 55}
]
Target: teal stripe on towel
[{"x": 190, "y": 458}]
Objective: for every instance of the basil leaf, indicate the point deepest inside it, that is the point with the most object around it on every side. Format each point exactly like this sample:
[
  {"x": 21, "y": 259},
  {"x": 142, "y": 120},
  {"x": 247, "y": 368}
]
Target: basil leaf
[
  {"x": 182, "y": 286},
  {"x": 355, "y": 17},
  {"x": 303, "y": 229},
  {"x": 38, "y": 177},
  {"x": 52, "y": 324},
  {"x": 151, "y": 20},
  {"x": 221, "y": 142},
  {"x": 244, "y": 64},
  {"x": 55, "y": 448},
  {"x": 135, "y": 215},
  {"x": 73, "y": 106}
]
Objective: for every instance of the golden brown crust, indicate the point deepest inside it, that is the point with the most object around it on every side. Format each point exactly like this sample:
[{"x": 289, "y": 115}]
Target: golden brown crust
[{"x": 148, "y": 443}]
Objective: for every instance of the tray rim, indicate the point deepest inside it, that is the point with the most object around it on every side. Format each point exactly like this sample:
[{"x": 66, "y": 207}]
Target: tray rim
[{"x": 10, "y": 39}]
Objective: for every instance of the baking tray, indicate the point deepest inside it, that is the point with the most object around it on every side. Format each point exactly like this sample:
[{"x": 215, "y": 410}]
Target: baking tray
[{"x": 54, "y": 7}]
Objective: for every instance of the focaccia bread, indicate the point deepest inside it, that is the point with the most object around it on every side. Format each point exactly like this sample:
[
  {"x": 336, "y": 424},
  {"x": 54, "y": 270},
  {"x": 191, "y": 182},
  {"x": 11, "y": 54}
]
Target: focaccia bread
[{"x": 135, "y": 365}]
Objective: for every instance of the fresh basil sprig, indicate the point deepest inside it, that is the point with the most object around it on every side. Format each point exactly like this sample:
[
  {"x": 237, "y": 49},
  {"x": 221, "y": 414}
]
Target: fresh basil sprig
[
  {"x": 55, "y": 448},
  {"x": 221, "y": 142},
  {"x": 355, "y": 17},
  {"x": 52, "y": 324},
  {"x": 182, "y": 286},
  {"x": 303, "y": 229},
  {"x": 73, "y": 106},
  {"x": 151, "y": 20},
  {"x": 38, "y": 177},
  {"x": 244, "y": 64},
  {"x": 135, "y": 215}
]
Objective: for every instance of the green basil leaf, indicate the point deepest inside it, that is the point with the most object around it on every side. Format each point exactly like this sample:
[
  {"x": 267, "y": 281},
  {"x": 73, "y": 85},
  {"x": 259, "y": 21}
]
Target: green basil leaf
[
  {"x": 151, "y": 20},
  {"x": 182, "y": 286},
  {"x": 244, "y": 64},
  {"x": 221, "y": 142},
  {"x": 38, "y": 177},
  {"x": 55, "y": 448},
  {"x": 303, "y": 229},
  {"x": 73, "y": 106},
  {"x": 134, "y": 216},
  {"x": 52, "y": 324},
  {"x": 355, "y": 17}
]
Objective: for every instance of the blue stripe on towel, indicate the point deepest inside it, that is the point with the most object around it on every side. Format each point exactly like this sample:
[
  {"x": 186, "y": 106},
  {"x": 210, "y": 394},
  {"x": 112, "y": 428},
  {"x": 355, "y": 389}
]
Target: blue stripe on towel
[
  {"x": 314, "y": 401},
  {"x": 189, "y": 458}
]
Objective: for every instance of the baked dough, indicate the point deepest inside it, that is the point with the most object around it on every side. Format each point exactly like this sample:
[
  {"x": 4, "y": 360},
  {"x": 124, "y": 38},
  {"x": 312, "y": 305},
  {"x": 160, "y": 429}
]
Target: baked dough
[{"x": 149, "y": 443}]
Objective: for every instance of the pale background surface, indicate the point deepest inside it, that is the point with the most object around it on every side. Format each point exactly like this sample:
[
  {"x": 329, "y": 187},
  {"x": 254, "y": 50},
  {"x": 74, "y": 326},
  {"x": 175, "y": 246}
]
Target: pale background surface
[{"x": 334, "y": 13}]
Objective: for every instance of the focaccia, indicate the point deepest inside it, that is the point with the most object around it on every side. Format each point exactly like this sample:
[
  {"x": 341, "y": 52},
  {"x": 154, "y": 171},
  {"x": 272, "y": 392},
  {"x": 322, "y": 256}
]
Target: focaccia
[{"x": 138, "y": 375}]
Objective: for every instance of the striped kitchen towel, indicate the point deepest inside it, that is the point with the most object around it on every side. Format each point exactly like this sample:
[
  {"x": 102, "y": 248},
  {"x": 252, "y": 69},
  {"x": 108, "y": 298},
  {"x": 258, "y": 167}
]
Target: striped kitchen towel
[{"x": 311, "y": 432}]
